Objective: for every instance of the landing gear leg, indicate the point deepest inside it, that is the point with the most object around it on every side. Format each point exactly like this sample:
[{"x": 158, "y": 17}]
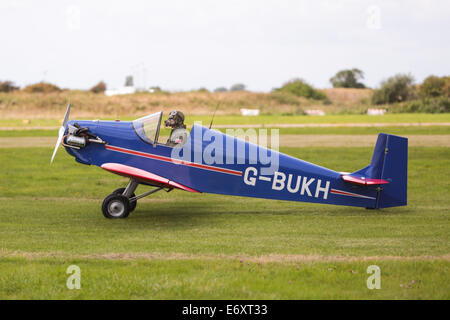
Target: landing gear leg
[{"x": 129, "y": 193}]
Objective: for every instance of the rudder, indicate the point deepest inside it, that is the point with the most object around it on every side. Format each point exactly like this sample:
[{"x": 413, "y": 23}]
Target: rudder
[
  {"x": 389, "y": 162},
  {"x": 394, "y": 170}
]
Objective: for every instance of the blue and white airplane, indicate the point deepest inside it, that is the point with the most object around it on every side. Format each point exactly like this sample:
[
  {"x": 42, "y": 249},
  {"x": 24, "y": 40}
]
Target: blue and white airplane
[{"x": 131, "y": 149}]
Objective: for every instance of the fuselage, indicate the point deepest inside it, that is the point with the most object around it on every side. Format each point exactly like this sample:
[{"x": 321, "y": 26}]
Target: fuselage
[{"x": 213, "y": 162}]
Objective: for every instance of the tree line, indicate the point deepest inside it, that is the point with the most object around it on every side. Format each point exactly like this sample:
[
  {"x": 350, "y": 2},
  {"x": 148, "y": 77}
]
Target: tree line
[{"x": 395, "y": 89}]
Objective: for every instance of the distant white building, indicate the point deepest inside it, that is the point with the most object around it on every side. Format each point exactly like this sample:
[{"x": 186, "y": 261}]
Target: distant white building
[
  {"x": 128, "y": 88},
  {"x": 250, "y": 112},
  {"x": 376, "y": 112},
  {"x": 314, "y": 112},
  {"x": 122, "y": 90}
]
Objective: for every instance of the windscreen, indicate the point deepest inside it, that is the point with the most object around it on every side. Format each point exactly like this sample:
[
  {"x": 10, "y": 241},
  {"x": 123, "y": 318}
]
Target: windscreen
[{"x": 147, "y": 128}]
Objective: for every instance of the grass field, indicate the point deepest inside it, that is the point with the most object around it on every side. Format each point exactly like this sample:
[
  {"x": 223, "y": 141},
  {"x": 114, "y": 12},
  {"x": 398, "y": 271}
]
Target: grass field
[{"x": 183, "y": 246}]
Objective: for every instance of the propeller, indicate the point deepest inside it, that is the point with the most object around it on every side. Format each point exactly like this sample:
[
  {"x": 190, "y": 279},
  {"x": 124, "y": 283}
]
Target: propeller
[{"x": 61, "y": 132}]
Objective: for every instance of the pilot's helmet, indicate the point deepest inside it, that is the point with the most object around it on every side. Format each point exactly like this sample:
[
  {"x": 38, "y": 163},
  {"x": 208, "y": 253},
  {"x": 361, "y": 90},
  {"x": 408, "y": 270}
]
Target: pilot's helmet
[{"x": 178, "y": 118}]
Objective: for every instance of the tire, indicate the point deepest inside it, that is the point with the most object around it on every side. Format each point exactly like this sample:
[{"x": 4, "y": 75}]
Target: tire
[
  {"x": 132, "y": 203},
  {"x": 116, "y": 206}
]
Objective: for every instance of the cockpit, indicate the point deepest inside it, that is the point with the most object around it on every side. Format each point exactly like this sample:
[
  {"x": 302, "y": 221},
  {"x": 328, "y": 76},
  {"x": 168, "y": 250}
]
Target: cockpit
[{"x": 147, "y": 128}]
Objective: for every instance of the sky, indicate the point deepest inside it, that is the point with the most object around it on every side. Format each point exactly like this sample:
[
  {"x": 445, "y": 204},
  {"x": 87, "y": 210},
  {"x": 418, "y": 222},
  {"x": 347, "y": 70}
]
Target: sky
[{"x": 185, "y": 45}]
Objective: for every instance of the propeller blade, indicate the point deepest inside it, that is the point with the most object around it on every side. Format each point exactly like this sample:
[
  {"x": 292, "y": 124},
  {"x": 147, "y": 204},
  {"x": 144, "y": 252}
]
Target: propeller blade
[
  {"x": 66, "y": 117},
  {"x": 61, "y": 132},
  {"x": 58, "y": 142}
]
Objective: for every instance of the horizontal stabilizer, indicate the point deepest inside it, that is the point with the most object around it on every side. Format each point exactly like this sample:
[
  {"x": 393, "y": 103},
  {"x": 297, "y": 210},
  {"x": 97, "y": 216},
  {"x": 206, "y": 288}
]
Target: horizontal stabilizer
[
  {"x": 143, "y": 176},
  {"x": 363, "y": 180}
]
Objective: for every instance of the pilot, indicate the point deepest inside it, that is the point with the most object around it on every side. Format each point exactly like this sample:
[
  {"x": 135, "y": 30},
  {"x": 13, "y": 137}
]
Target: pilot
[{"x": 179, "y": 134}]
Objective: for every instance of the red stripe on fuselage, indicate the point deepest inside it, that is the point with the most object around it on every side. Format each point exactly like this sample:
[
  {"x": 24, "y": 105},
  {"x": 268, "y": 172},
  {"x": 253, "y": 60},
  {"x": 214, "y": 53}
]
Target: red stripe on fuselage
[{"x": 176, "y": 161}]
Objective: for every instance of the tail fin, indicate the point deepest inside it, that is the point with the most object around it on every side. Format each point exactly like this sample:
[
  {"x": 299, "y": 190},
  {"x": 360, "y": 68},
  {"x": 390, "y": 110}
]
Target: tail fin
[{"x": 390, "y": 162}]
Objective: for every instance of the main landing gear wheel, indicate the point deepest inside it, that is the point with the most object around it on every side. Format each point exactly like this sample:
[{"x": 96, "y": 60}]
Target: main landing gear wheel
[
  {"x": 116, "y": 206},
  {"x": 132, "y": 203}
]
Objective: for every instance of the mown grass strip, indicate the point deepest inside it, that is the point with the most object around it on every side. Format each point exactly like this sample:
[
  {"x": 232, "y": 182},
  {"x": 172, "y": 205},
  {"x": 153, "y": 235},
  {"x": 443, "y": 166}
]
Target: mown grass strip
[
  {"x": 220, "y": 279},
  {"x": 425, "y": 130},
  {"x": 259, "y": 120}
]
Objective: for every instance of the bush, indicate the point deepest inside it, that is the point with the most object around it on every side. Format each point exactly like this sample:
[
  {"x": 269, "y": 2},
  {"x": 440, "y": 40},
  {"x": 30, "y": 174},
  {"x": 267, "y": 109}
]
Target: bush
[
  {"x": 395, "y": 89},
  {"x": 7, "y": 86},
  {"x": 327, "y": 102},
  {"x": 428, "y": 105},
  {"x": 158, "y": 90},
  {"x": 99, "y": 87},
  {"x": 155, "y": 89},
  {"x": 221, "y": 89},
  {"x": 237, "y": 87},
  {"x": 433, "y": 87},
  {"x": 43, "y": 87},
  {"x": 300, "y": 88},
  {"x": 348, "y": 79},
  {"x": 447, "y": 86}
]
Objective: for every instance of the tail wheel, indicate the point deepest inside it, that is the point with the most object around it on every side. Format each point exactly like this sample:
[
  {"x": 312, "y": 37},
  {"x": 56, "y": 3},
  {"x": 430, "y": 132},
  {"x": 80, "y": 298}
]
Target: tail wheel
[
  {"x": 132, "y": 203},
  {"x": 116, "y": 206}
]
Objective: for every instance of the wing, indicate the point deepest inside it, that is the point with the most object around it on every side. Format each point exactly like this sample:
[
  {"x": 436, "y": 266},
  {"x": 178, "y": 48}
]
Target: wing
[{"x": 143, "y": 176}]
